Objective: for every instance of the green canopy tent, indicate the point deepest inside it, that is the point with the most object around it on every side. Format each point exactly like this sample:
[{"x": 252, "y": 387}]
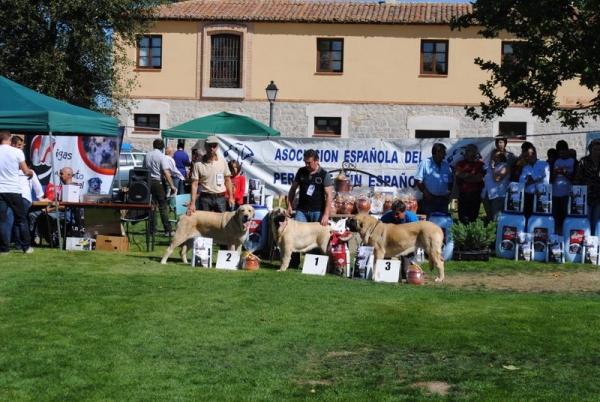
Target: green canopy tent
[
  {"x": 220, "y": 123},
  {"x": 24, "y": 110}
]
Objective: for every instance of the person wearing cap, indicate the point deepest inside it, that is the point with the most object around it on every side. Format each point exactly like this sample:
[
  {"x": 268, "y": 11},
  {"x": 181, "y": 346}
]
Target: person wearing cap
[
  {"x": 213, "y": 176},
  {"x": 158, "y": 164}
]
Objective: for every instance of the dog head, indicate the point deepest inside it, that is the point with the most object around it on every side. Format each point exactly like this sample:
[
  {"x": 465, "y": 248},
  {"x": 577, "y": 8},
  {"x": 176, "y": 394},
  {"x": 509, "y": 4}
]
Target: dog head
[
  {"x": 359, "y": 222},
  {"x": 245, "y": 214},
  {"x": 277, "y": 218},
  {"x": 94, "y": 185},
  {"x": 352, "y": 224}
]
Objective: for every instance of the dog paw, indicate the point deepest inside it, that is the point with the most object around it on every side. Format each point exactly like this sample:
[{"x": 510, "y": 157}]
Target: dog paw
[{"x": 438, "y": 279}]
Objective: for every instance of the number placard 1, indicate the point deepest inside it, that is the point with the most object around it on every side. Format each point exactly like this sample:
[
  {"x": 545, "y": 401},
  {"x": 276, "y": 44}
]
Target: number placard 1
[
  {"x": 387, "y": 271},
  {"x": 315, "y": 264},
  {"x": 227, "y": 259}
]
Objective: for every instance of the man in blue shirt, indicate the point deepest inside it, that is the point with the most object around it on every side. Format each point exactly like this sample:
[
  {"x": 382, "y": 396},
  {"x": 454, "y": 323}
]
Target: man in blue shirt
[
  {"x": 398, "y": 214},
  {"x": 182, "y": 161},
  {"x": 434, "y": 180}
]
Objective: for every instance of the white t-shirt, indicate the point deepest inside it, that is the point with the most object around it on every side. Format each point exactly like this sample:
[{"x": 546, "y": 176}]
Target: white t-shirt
[
  {"x": 30, "y": 187},
  {"x": 10, "y": 158}
]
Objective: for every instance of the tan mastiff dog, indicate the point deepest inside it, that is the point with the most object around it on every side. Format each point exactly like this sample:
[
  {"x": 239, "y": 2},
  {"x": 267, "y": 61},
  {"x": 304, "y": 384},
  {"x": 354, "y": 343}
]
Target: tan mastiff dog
[
  {"x": 229, "y": 228},
  {"x": 296, "y": 237},
  {"x": 390, "y": 240}
]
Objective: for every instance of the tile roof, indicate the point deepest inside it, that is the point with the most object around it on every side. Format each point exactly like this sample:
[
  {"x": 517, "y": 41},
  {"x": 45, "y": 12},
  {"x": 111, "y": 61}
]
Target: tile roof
[{"x": 311, "y": 11}]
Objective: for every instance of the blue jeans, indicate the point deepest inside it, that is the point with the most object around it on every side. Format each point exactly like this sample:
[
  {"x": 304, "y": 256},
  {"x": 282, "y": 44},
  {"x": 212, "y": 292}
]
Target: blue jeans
[
  {"x": 215, "y": 204},
  {"x": 438, "y": 204},
  {"x": 13, "y": 230},
  {"x": 14, "y": 202},
  {"x": 308, "y": 216}
]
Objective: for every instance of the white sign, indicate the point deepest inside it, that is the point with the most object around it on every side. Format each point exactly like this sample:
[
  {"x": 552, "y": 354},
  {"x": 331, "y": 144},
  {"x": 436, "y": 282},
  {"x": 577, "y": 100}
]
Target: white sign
[
  {"x": 315, "y": 264},
  {"x": 227, "y": 259},
  {"x": 202, "y": 252},
  {"x": 275, "y": 161},
  {"x": 92, "y": 158},
  {"x": 387, "y": 271},
  {"x": 363, "y": 262}
]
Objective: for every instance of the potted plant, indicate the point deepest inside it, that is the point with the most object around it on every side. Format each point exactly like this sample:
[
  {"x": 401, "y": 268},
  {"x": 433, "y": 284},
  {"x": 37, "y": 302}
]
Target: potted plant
[{"x": 472, "y": 241}]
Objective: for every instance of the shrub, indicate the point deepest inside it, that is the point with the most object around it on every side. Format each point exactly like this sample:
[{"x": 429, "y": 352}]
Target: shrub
[{"x": 475, "y": 236}]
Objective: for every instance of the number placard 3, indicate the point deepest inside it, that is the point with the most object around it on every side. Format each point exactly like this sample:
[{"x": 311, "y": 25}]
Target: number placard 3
[
  {"x": 315, "y": 264},
  {"x": 227, "y": 259},
  {"x": 387, "y": 271}
]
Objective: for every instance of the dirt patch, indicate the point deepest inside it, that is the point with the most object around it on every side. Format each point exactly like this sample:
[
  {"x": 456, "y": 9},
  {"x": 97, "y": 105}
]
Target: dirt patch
[
  {"x": 561, "y": 282},
  {"x": 435, "y": 387}
]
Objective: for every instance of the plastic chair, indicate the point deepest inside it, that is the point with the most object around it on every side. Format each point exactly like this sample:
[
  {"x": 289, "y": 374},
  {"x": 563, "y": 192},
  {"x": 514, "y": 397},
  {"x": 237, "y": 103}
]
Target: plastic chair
[{"x": 178, "y": 206}]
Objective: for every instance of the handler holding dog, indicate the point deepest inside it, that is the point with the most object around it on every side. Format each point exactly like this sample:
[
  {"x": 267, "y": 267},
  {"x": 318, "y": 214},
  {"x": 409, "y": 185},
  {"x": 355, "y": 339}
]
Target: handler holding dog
[
  {"x": 214, "y": 177},
  {"x": 315, "y": 194}
]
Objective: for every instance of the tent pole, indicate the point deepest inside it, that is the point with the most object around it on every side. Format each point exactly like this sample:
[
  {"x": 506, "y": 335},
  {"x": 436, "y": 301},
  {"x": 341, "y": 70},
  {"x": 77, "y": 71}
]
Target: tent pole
[{"x": 53, "y": 181}]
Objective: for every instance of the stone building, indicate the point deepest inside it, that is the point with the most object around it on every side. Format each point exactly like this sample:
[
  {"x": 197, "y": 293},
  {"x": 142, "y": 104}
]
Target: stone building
[{"x": 343, "y": 69}]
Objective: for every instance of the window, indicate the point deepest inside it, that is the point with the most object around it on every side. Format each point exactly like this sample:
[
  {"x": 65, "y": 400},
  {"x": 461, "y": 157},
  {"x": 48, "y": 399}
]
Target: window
[
  {"x": 507, "y": 52},
  {"x": 146, "y": 123},
  {"x": 510, "y": 61},
  {"x": 225, "y": 63},
  {"x": 125, "y": 160},
  {"x": 434, "y": 57},
  {"x": 150, "y": 52},
  {"x": 330, "y": 55},
  {"x": 328, "y": 127},
  {"x": 432, "y": 134},
  {"x": 512, "y": 130}
]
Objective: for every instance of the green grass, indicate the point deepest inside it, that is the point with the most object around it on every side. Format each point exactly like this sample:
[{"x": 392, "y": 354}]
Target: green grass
[{"x": 99, "y": 326}]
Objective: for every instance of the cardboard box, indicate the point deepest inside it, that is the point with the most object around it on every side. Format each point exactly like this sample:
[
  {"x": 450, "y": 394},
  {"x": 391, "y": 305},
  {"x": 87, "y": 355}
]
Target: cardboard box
[
  {"x": 80, "y": 243},
  {"x": 70, "y": 193},
  {"x": 112, "y": 243}
]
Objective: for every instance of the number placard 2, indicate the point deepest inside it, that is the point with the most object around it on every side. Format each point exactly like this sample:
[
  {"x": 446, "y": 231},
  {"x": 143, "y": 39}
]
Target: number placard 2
[
  {"x": 227, "y": 259},
  {"x": 315, "y": 264},
  {"x": 387, "y": 271}
]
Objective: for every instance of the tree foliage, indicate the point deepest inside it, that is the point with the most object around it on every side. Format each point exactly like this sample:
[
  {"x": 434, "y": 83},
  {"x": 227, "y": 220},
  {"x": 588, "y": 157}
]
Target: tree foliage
[
  {"x": 64, "y": 48},
  {"x": 560, "y": 43}
]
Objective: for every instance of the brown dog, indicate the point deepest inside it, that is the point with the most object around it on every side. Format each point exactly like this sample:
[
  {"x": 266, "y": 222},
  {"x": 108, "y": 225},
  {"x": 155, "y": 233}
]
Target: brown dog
[
  {"x": 390, "y": 240},
  {"x": 230, "y": 228},
  {"x": 296, "y": 237}
]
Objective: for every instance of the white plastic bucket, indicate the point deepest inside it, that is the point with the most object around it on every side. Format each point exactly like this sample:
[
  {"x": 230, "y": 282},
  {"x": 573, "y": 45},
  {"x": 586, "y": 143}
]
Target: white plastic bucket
[
  {"x": 445, "y": 222},
  {"x": 541, "y": 226},
  {"x": 509, "y": 224}
]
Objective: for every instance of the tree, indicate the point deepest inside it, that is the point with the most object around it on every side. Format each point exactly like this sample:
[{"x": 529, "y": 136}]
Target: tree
[
  {"x": 64, "y": 48},
  {"x": 559, "y": 41}
]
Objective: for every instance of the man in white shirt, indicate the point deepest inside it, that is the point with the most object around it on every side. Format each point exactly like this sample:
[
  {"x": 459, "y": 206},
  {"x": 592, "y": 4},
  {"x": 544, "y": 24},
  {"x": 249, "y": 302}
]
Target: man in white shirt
[
  {"x": 12, "y": 161},
  {"x": 158, "y": 164}
]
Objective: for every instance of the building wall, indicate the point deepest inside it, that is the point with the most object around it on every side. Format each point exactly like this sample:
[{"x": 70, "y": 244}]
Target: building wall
[
  {"x": 379, "y": 95},
  {"x": 372, "y": 121}
]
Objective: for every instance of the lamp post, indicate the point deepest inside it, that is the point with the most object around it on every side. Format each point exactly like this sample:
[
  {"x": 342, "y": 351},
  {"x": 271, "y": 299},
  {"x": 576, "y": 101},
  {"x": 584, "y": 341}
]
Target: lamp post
[{"x": 271, "y": 96}]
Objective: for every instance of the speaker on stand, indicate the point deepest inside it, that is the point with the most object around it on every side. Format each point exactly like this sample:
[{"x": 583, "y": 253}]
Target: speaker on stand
[{"x": 139, "y": 186}]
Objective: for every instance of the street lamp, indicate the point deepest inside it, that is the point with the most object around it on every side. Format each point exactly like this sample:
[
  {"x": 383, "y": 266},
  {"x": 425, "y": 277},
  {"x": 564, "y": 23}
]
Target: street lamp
[{"x": 271, "y": 96}]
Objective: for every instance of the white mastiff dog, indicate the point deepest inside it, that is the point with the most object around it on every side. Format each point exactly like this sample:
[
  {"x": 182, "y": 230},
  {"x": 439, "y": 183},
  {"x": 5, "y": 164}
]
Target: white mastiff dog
[
  {"x": 390, "y": 240},
  {"x": 230, "y": 228},
  {"x": 297, "y": 237}
]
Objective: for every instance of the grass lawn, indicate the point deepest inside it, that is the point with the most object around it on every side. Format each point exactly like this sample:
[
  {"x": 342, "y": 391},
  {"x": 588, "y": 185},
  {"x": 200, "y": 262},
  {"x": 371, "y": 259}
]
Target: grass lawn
[{"x": 100, "y": 326}]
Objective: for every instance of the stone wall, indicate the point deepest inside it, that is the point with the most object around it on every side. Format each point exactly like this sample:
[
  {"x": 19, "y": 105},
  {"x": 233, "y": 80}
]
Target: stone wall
[{"x": 384, "y": 121}]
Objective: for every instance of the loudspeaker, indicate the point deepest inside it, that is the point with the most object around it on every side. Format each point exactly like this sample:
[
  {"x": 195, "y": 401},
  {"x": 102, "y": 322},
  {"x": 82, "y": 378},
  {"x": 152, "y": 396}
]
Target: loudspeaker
[{"x": 139, "y": 186}]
